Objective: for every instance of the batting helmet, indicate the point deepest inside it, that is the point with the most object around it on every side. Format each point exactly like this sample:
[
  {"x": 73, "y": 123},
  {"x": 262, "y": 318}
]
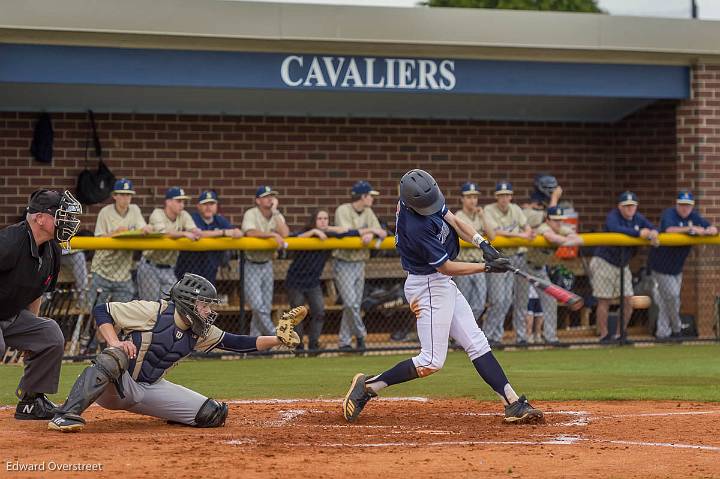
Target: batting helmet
[
  {"x": 187, "y": 294},
  {"x": 419, "y": 191},
  {"x": 545, "y": 184}
]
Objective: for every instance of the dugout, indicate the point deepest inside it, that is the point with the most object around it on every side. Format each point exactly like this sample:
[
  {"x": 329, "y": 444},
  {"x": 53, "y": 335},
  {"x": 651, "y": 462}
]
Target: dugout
[{"x": 309, "y": 98}]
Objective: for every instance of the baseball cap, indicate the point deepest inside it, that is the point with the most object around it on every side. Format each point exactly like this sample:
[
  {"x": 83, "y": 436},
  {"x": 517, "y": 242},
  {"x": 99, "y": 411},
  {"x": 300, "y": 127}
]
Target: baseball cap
[
  {"x": 469, "y": 188},
  {"x": 503, "y": 188},
  {"x": 208, "y": 196},
  {"x": 123, "y": 185},
  {"x": 627, "y": 198},
  {"x": 176, "y": 193},
  {"x": 685, "y": 198},
  {"x": 44, "y": 201},
  {"x": 362, "y": 187},
  {"x": 264, "y": 191},
  {"x": 556, "y": 213}
]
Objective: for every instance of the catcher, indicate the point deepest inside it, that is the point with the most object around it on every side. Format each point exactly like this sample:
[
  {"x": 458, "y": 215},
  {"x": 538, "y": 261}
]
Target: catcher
[{"x": 128, "y": 374}]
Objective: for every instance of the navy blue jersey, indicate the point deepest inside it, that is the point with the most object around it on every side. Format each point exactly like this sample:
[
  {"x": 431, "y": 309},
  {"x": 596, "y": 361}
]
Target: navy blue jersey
[
  {"x": 616, "y": 223},
  {"x": 424, "y": 242},
  {"x": 667, "y": 259},
  {"x": 204, "y": 263}
]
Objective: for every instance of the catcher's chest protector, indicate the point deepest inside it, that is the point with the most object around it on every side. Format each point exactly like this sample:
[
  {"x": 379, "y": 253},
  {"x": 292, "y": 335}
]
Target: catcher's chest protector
[{"x": 164, "y": 346}]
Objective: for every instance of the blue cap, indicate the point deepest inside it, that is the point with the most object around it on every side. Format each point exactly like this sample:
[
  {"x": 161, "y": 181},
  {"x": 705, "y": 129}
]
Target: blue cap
[
  {"x": 176, "y": 193},
  {"x": 627, "y": 198},
  {"x": 362, "y": 187},
  {"x": 503, "y": 188},
  {"x": 208, "y": 196},
  {"x": 469, "y": 188},
  {"x": 124, "y": 185},
  {"x": 556, "y": 213},
  {"x": 264, "y": 191},
  {"x": 685, "y": 198}
]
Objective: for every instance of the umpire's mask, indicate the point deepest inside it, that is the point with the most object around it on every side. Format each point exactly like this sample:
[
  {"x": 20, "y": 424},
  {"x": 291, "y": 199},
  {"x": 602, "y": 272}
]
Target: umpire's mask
[
  {"x": 419, "y": 191},
  {"x": 194, "y": 298}
]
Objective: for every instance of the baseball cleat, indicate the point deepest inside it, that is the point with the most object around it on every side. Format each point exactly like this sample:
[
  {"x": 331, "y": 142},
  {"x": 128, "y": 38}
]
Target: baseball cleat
[
  {"x": 66, "y": 423},
  {"x": 356, "y": 398},
  {"x": 521, "y": 412},
  {"x": 34, "y": 407}
]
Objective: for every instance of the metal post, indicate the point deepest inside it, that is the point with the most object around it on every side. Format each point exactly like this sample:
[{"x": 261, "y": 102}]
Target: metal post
[
  {"x": 621, "y": 312},
  {"x": 693, "y": 9},
  {"x": 241, "y": 270}
]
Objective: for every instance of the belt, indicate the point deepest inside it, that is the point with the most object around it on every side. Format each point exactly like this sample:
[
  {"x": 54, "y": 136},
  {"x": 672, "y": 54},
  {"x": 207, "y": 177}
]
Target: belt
[
  {"x": 258, "y": 262},
  {"x": 159, "y": 266}
]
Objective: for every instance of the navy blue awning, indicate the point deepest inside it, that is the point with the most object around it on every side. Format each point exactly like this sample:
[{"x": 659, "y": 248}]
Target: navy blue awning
[{"x": 39, "y": 77}]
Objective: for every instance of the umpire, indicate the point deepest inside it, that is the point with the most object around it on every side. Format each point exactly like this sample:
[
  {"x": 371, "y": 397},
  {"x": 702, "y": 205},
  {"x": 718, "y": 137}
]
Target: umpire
[{"x": 29, "y": 265}]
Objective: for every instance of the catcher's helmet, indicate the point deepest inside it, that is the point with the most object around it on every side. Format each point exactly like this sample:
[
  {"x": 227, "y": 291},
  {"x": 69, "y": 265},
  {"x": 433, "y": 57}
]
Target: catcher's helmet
[
  {"x": 187, "y": 293},
  {"x": 545, "y": 184},
  {"x": 419, "y": 191}
]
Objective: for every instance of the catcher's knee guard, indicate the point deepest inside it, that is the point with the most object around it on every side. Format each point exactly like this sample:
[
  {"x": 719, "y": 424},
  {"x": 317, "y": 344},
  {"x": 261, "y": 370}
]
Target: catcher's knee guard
[
  {"x": 211, "y": 414},
  {"x": 107, "y": 368}
]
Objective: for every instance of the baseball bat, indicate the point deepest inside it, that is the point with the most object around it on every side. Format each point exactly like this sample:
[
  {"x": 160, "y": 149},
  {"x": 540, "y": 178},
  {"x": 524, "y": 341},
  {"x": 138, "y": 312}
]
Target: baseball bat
[{"x": 561, "y": 295}]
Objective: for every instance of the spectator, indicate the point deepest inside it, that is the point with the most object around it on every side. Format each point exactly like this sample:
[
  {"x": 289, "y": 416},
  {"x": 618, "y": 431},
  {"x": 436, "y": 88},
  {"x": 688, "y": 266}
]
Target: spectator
[
  {"x": 111, "y": 269},
  {"x": 556, "y": 233},
  {"x": 349, "y": 268},
  {"x": 262, "y": 221},
  {"x": 473, "y": 286},
  {"x": 303, "y": 276},
  {"x": 155, "y": 271},
  {"x": 507, "y": 219},
  {"x": 607, "y": 261},
  {"x": 211, "y": 225},
  {"x": 666, "y": 263}
]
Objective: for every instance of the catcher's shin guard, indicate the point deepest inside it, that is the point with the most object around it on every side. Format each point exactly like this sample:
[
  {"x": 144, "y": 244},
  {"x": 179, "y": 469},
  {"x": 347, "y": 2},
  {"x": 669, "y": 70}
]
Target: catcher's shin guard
[
  {"x": 211, "y": 414},
  {"x": 107, "y": 368}
]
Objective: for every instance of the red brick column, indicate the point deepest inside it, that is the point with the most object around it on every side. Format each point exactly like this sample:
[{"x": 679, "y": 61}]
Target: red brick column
[{"x": 698, "y": 168}]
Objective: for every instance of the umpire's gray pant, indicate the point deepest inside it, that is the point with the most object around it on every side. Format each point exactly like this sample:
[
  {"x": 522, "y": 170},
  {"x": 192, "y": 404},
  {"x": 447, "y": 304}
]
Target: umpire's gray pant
[
  {"x": 350, "y": 281},
  {"x": 474, "y": 288},
  {"x": 153, "y": 280},
  {"x": 505, "y": 289},
  {"x": 44, "y": 342},
  {"x": 667, "y": 297},
  {"x": 259, "y": 294},
  {"x": 161, "y": 399},
  {"x": 549, "y": 306}
]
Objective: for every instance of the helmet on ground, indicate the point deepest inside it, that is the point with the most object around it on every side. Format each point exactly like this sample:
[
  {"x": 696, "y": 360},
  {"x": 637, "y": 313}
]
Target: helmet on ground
[
  {"x": 545, "y": 185},
  {"x": 194, "y": 297},
  {"x": 419, "y": 191}
]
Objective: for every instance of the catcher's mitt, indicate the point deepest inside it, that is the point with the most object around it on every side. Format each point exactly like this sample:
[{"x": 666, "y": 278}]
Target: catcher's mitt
[{"x": 286, "y": 326}]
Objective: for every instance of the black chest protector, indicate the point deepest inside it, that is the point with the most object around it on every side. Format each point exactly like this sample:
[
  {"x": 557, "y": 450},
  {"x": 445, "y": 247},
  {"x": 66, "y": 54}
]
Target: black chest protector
[{"x": 168, "y": 345}]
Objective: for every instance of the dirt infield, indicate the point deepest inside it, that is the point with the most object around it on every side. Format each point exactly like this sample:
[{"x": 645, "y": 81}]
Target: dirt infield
[{"x": 410, "y": 437}]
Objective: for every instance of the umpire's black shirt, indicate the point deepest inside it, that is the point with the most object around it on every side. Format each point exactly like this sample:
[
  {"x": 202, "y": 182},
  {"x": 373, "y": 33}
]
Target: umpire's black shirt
[{"x": 26, "y": 270}]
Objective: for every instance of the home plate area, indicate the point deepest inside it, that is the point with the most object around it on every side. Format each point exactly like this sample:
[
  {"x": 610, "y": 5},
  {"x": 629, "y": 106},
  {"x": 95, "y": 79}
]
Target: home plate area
[{"x": 394, "y": 437}]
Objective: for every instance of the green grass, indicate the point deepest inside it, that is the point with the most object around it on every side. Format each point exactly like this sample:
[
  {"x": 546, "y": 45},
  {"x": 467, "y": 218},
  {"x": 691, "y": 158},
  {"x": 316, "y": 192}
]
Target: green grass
[{"x": 690, "y": 373}]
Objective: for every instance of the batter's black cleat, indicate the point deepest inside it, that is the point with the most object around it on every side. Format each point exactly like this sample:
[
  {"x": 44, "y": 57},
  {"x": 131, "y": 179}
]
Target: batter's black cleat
[
  {"x": 34, "y": 407},
  {"x": 356, "y": 398},
  {"x": 521, "y": 412},
  {"x": 66, "y": 423}
]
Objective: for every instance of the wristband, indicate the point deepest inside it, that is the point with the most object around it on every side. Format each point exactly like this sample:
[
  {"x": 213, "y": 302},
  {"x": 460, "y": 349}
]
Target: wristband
[{"x": 477, "y": 240}]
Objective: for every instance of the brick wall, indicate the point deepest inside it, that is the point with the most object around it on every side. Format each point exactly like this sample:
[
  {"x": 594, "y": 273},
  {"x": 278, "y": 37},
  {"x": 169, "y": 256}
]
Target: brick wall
[
  {"x": 314, "y": 161},
  {"x": 698, "y": 137}
]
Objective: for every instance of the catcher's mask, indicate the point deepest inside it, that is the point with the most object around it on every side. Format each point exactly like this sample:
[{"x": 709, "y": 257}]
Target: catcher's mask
[
  {"x": 194, "y": 298},
  {"x": 545, "y": 185},
  {"x": 64, "y": 208},
  {"x": 419, "y": 191}
]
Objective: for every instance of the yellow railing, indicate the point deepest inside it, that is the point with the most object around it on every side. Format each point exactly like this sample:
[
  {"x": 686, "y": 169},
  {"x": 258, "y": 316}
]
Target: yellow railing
[{"x": 216, "y": 244}]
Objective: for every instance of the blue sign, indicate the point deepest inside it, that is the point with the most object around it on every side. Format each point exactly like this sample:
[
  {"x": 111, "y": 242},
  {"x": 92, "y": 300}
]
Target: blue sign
[{"x": 304, "y": 71}]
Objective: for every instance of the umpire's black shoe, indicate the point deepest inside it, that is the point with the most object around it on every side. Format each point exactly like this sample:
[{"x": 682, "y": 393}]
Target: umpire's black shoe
[
  {"x": 66, "y": 423},
  {"x": 521, "y": 412},
  {"x": 356, "y": 398},
  {"x": 34, "y": 407}
]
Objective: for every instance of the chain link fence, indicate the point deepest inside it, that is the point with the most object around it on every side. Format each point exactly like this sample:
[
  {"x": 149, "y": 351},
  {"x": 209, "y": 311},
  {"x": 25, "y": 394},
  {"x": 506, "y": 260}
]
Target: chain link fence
[{"x": 360, "y": 306}]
